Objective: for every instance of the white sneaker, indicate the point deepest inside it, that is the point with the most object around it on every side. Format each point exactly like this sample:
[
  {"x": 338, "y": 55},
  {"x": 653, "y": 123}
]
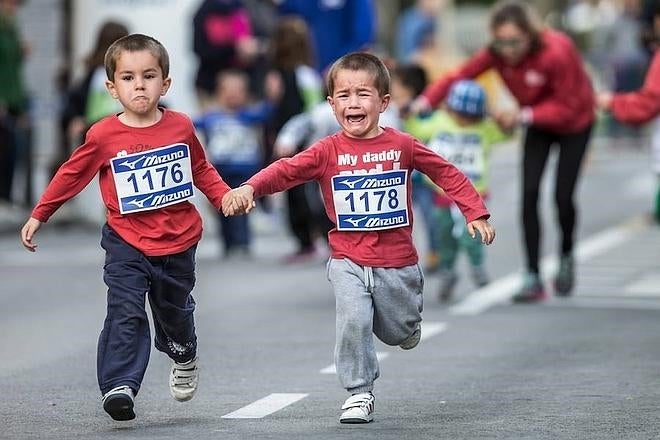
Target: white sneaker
[
  {"x": 183, "y": 380},
  {"x": 412, "y": 340},
  {"x": 118, "y": 402},
  {"x": 358, "y": 408}
]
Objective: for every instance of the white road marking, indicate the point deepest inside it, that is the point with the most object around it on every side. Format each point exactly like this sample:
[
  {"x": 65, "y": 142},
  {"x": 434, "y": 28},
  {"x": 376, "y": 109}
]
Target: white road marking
[
  {"x": 429, "y": 329},
  {"x": 263, "y": 407},
  {"x": 432, "y": 328},
  {"x": 501, "y": 290}
]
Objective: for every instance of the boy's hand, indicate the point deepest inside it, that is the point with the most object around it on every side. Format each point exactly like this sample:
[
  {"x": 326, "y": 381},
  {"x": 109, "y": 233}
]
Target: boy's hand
[
  {"x": 604, "y": 100},
  {"x": 417, "y": 107},
  {"x": 27, "y": 233},
  {"x": 485, "y": 229},
  {"x": 238, "y": 201},
  {"x": 507, "y": 120}
]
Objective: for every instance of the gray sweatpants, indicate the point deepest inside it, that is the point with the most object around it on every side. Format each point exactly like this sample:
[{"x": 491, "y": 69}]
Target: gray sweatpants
[{"x": 386, "y": 302}]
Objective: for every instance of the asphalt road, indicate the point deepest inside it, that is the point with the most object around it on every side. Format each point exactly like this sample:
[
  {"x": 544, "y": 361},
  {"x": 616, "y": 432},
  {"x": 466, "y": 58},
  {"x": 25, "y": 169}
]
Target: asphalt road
[{"x": 587, "y": 367}]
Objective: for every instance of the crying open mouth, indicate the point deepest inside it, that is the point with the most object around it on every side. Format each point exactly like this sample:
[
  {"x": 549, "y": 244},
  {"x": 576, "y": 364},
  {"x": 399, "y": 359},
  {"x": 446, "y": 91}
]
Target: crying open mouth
[{"x": 355, "y": 118}]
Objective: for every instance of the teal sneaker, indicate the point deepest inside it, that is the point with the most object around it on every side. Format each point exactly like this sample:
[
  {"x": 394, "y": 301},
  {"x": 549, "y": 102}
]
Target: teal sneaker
[
  {"x": 565, "y": 276},
  {"x": 532, "y": 290}
]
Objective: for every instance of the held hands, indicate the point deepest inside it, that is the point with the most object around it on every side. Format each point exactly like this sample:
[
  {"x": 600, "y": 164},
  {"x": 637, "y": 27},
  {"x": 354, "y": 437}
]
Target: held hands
[
  {"x": 604, "y": 100},
  {"x": 27, "y": 233},
  {"x": 238, "y": 201},
  {"x": 486, "y": 230}
]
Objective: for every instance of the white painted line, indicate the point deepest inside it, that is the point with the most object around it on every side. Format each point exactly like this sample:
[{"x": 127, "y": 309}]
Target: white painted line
[
  {"x": 263, "y": 407},
  {"x": 432, "y": 328},
  {"x": 428, "y": 329},
  {"x": 501, "y": 290},
  {"x": 330, "y": 369}
]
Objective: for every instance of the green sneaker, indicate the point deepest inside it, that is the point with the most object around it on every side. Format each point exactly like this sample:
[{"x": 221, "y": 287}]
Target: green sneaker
[
  {"x": 565, "y": 276},
  {"x": 532, "y": 290}
]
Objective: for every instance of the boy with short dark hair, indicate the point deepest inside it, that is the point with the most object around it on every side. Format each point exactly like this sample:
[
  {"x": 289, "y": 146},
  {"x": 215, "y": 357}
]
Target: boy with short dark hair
[
  {"x": 364, "y": 173},
  {"x": 148, "y": 159}
]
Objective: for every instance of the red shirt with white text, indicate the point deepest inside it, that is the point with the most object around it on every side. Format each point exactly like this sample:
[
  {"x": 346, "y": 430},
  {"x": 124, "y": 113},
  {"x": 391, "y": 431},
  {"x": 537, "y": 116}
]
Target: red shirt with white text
[{"x": 163, "y": 231}]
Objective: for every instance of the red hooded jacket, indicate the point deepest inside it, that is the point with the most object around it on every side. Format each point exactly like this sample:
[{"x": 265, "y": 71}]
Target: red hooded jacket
[{"x": 551, "y": 82}]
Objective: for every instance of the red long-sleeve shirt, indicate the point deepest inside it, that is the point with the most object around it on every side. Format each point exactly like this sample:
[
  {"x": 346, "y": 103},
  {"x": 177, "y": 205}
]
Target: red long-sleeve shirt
[
  {"x": 166, "y": 230},
  {"x": 339, "y": 154},
  {"x": 552, "y": 82},
  {"x": 642, "y": 105}
]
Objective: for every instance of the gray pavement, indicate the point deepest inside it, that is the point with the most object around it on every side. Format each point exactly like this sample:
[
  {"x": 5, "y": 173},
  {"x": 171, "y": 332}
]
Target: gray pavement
[{"x": 584, "y": 367}]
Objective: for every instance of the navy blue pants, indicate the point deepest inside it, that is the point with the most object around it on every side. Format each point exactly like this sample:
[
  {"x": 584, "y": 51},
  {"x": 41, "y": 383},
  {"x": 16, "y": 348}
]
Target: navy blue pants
[
  {"x": 125, "y": 341},
  {"x": 234, "y": 230}
]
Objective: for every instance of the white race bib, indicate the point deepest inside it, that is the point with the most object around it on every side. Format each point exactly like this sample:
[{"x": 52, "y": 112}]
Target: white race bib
[
  {"x": 370, "y": 202},
  {"x": 464, "y": 151},
  {"x": 153, "y": 179},
  {"x": 233, "y": 142}
]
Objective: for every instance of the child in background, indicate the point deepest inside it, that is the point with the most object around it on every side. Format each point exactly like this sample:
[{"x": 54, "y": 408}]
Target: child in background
[
  {"x": 464, "y": 135},
  {"x": 148, "y": 159},
  {"x": 233, "y": 134},
  {"x": 364, "y": 173},
  {"x": 408, "y": 81},
  {"x": 292, "y": 59}
]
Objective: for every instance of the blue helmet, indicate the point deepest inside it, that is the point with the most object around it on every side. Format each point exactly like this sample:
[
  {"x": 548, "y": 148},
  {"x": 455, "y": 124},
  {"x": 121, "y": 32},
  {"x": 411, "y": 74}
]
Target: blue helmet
[{"x": 467, "y": 98}]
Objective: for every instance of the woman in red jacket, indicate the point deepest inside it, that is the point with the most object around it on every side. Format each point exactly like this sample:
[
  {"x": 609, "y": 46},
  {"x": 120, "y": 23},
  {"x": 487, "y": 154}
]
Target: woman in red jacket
[
  {"x": 642, "y": 105},
  {"x": 544, "y": 72}
]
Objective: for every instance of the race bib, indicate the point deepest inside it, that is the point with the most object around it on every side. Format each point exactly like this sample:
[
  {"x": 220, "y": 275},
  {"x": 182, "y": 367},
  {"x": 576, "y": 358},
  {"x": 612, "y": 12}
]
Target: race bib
[
  {"x": 233, "y": 142},
  {"x": 370, "y": 202},
  {"x": 464, "y": 151},
  {"x": 153, "y": 179}
]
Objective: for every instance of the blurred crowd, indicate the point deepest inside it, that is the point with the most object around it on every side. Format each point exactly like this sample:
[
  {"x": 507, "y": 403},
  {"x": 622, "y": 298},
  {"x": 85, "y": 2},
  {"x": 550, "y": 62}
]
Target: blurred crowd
[{"x": 260, "y": 91}]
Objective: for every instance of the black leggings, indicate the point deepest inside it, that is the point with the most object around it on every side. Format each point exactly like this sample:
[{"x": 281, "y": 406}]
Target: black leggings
[{"x": 536, "y": 150}]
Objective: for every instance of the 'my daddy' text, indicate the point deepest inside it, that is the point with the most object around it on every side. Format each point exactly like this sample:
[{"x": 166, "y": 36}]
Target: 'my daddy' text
[{"x": 370, "y": 158}]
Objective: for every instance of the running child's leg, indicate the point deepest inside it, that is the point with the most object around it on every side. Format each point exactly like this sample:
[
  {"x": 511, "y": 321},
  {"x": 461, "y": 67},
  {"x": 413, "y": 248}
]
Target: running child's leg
[
  {"x": 355, "y": 355},
  {"x": 398, "y": 303},
  {"x": 475, "y": 251},
  {"x": 173, "y": 306},
  {"x": 125, "y": 342},
  {"x": 447, "y": 246}
]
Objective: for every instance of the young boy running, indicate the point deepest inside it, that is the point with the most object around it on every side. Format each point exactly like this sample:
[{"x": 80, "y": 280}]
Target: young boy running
[
  {"x": 364, "y": 175},
  {"x": 148, "y": 159}
]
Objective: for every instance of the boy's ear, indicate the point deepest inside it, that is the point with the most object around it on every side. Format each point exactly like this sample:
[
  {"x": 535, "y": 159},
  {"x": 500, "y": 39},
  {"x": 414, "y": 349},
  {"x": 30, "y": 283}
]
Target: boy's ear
[
  {"x": 385, "y": 102},
  {"x": 331, "y": 102},
  {"x": 167, "y": 82},
  {"x": 111, "y": 89}
]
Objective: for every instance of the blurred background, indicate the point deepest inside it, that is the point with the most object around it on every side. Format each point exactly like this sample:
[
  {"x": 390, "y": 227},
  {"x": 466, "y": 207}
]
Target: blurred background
[{"x": 59, "y": 38}]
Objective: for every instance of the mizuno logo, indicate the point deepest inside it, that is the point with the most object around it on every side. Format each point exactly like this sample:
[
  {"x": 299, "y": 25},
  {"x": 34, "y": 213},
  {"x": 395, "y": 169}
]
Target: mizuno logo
[
  {"x": 131, "y": 164},
  {"x": 351, "y": 183},
  {"x": 355, "y": 221},
  {"x": 139, "y": 203},
  {"x": 381, "y": 183}
]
